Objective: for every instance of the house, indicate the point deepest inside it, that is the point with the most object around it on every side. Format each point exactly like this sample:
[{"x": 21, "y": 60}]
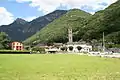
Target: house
[
  {"x": 114, "y": 50},
  {"x": 55, "y": 47},
  {"x": 17, "y": 46}
]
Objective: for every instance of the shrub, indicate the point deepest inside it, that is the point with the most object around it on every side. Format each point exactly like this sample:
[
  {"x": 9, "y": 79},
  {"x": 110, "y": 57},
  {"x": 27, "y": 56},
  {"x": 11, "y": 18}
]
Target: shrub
[
  {"x": 79, "y": 48},
  {"x": 27, "y": 48},
  {"x": 70, "y": 48},
  {"x": 38, "y": 50},
  {"x": 63, "y": 48}
]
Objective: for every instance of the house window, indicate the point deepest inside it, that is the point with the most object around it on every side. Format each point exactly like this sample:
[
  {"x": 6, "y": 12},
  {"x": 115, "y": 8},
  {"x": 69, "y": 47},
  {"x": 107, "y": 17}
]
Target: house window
[
  {"x": 16, "y": 47},
  {"x": 20, "y": 47},
  {"x": 13, "y": 43}
]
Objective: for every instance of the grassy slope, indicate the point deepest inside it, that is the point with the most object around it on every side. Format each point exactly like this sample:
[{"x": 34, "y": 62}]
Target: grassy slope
[
  {"x": 57, "y": 30},
  {"x": 58, "y": 67}
]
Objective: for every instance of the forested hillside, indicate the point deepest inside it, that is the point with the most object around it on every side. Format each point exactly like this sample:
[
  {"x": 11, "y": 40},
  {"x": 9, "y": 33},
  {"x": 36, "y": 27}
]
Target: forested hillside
[
  {"x": 86, "y": 27},
  {"x": 107, "y": 21},
  {"x": 57, "y": 30}
]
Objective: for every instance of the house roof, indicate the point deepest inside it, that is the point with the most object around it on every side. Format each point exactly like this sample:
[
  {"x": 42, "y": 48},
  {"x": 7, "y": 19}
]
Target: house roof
[
  {"x": 58, "y": 44},
  {"x": 16, "y": 41},
  {"x": 41, "y": 44},
  {"x": 77, "y": 43}
]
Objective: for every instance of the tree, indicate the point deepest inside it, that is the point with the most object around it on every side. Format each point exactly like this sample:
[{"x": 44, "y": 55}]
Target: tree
[
  {"x": 79, "y": 48},
  {"x": 38, "y": 49},
  {"x": 70, "y": 48},
  {"x": 4, "y": 41},
  {"x": 94, "y": 44}
]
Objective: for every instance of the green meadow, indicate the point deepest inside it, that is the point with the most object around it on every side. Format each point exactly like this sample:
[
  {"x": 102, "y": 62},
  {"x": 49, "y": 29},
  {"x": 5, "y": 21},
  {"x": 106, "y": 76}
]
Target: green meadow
[{"x": 58, "y": 67}]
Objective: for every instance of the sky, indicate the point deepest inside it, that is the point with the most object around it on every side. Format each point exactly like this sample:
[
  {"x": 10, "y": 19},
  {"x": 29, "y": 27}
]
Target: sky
[{"x": 31, "y": 9}]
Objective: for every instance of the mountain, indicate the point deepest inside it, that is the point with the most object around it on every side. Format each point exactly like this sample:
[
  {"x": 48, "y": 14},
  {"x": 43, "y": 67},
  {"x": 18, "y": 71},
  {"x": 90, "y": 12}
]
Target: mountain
[
  {"x": 20, "y": 29},
  {"x": 15, "y": 30},
  {"x": 56, "y": 31},
  {"x": 86, "y": 27}
]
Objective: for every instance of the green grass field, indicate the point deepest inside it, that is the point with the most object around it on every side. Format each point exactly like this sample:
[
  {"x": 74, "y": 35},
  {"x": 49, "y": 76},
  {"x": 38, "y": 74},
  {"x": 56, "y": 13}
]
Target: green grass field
[{"x": 58, "y": 67}]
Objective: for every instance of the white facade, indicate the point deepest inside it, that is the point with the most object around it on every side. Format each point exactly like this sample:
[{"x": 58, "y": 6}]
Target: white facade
[{"x": 85, "y": 48}]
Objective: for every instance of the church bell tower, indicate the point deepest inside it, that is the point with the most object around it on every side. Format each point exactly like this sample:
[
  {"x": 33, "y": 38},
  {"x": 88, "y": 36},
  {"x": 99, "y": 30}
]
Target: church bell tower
[{"x": 70, "y": 36}]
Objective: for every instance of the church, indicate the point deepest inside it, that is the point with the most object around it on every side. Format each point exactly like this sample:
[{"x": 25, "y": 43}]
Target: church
[
  {"x": 70, "y": 46},
  {"x": 77, "y": 46}
]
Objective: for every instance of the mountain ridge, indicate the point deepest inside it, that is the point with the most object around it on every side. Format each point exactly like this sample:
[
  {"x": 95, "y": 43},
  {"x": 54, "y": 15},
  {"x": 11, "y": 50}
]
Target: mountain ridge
[{"x": 26, "y": 29}]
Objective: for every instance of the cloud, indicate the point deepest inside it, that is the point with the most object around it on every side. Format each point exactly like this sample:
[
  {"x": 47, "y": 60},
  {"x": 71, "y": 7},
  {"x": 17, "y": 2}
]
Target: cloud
[
  {"x": 30, "y": 18},
  {"x": 5, "y": 16},
  {"x": 48, "y": 6}
]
